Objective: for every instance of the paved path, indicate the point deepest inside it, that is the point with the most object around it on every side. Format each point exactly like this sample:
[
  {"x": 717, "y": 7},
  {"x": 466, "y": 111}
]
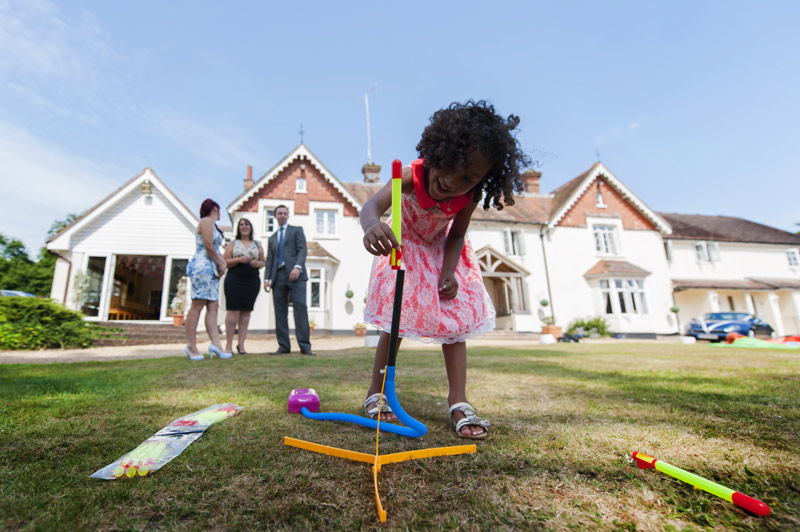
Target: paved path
[{"x": 257, "y": 344}]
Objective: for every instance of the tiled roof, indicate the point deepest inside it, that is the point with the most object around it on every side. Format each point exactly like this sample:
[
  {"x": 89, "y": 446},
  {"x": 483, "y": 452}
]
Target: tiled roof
[
  {"x": 604, "y": 268},
  {"x": 706, "y": 284},
  {"x": 565, "y": 191},
  {"x": 313, "y": 249},
  {"x": 362, "y": 191},
  {"x": 526, "y": 209},
  {"x": 725, "y": 229},
  {"x": 780, "y": 283}
]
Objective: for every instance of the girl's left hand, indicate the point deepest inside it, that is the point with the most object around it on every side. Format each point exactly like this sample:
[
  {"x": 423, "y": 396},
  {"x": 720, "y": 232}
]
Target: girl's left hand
[{"x": 448, "y": 286}]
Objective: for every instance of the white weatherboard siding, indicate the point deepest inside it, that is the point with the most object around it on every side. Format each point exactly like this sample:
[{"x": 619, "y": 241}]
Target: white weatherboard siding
[{"x": 129, "y": 222}]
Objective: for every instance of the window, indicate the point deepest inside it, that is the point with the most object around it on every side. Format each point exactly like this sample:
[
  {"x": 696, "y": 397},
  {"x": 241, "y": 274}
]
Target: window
[
  {"x": 270, "y": 224},
  {"x": 793, "y": 256},
  {"x": 513, "y": 243},
  {"x": 605, "y": 239},
  {"x": 317, "y": 287},
  {"x": 598, "y": 198},
  {"x": 326, "y": 222},
  {"x": 707, "y": 251},
  {"x": 300, "y": 185},
  {"x": 605, "y": 292},
  {"x": 623, "y": 296},
  {"x": 668, "y": 249}
]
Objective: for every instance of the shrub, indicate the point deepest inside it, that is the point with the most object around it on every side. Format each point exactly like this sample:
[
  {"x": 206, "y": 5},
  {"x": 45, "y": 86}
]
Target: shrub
[
  {"x": 596, "y": 325},
  {"x": 32, "y": 323}
]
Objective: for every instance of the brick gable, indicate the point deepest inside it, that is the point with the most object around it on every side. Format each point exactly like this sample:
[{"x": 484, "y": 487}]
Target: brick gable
[
  {"x": 616, "y": 206},
  {"x": 284, "y": 185}
]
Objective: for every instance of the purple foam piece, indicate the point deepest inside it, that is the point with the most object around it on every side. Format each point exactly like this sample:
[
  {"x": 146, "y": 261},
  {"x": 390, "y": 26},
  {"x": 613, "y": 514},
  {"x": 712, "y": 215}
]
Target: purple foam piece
[{"x": 303, "y": 397}]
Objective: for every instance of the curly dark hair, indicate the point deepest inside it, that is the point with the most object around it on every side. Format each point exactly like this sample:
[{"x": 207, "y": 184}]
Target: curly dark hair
[{"x": 456, "y": 131}]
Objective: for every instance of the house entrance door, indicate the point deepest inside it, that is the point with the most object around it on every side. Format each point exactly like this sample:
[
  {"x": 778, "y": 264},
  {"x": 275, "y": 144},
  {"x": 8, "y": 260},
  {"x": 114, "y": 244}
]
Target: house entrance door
[{"x": 138, "y": 288}]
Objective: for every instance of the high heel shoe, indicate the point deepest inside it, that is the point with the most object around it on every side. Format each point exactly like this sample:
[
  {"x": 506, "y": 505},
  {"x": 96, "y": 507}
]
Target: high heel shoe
[
  {"x": 241, "y": 352},
  {"x": 191, "y": 356},
  {"x": 214, "y": 350}
]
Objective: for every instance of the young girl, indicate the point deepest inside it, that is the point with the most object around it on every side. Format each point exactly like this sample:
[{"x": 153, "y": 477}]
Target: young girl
[{"x": 468, "y": 154}]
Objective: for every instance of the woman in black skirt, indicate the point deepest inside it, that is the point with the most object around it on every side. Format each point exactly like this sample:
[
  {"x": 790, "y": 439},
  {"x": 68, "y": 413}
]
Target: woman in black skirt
[{"x": 244, "y": 257}]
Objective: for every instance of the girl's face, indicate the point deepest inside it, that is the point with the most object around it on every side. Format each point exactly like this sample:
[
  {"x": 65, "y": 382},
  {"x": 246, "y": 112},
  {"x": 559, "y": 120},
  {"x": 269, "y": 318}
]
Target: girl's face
[
  {"x": 445, "y": 184},
  {"x": 244, "y": 228}
]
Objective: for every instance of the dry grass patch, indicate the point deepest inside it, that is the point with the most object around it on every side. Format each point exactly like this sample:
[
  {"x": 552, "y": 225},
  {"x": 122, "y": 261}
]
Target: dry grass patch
[{"x": 564, "y": 418}]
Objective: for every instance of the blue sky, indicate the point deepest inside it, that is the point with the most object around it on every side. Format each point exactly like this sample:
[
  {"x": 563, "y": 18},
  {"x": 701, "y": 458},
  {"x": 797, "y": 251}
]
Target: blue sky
[{"x": 693, "y": 105}]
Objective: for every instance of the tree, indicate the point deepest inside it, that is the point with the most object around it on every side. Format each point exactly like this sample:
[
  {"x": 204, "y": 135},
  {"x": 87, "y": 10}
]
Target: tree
[
  {"x": 58, "y": 225},
  {"x": 19, "y": 272}
]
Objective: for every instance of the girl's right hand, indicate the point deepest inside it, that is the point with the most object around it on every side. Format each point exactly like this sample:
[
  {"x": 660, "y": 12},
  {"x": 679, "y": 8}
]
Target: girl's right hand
[
  {"x": 245, "y": 259},
  {"x": 221, "y": 267},
  {"x": 379, "y": 239}
]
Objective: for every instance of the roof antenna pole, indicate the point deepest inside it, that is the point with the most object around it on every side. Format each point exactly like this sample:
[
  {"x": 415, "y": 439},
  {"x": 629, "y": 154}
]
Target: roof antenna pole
[{"x": 366, "y": 104}]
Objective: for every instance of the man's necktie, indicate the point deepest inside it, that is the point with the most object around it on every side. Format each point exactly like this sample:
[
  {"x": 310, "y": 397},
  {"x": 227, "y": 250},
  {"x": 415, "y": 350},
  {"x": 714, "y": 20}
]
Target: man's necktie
[{"x": 280, "y": 246}]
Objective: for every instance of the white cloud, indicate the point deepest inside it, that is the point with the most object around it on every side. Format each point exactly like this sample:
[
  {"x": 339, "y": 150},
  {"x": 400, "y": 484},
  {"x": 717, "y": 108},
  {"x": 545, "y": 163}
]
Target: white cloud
[
  {"x": 42, "y": 184},
  {"x": 218, "y": 144}
]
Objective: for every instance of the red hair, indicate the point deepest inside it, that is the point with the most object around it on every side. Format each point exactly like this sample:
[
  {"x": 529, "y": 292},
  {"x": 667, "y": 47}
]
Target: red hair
[{"x": 208, "y": 206}]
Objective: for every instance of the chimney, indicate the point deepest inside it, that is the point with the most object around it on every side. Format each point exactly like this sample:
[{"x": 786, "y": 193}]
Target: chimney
[
  {"x": 531, "y": 180},
  {"x": 372, "y": 173},
  {"x": 248, "y": 183}
]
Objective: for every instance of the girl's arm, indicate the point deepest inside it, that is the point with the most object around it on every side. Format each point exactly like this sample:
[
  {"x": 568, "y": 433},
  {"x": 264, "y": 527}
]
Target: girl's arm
[
  {"x": 378, "y": 236},
  {"x": 448, "y": 285},
  {"x": 207, "y": 232}
]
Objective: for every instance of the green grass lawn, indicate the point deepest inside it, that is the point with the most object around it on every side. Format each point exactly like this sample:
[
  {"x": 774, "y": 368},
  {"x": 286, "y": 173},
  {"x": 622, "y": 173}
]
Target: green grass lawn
[{"x": 564, "y": 418}]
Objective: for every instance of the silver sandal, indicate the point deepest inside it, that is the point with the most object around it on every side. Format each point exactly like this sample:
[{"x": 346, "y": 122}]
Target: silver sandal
[
  {"x": 470, "y": 418},
  {"x": 378, "y": 399}
]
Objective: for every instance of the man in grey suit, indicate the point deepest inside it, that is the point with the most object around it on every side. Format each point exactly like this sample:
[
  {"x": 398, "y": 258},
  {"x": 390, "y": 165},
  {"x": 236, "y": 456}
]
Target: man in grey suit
[{"x": 286, "y": 272}]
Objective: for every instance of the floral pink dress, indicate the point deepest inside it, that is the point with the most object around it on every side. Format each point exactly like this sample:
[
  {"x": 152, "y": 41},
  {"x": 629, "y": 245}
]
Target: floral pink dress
[{"x": 424, "y": 316}]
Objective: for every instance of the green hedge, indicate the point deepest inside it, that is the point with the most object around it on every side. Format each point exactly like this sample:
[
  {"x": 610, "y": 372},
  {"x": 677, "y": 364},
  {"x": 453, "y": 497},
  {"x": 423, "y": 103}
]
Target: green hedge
[
  {"x": 33, "y": 323},
  {"x": 589, "y": 326}
]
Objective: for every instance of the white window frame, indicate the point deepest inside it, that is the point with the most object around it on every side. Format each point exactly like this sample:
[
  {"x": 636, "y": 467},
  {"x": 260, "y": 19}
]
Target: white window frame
[
  {"x": 323, "y": 287},
  {"x": 793, "y": 256},
  {"x": 706, "y": 251},
  {"x": 668, "y": 250},
  {"x": 265, "y": 205},
  {"x": 300, "y": 185},
  {"x": 624, "y": 296},
  {"x": 606, "y": 230},
  {"x": 513, "y": 242},
  {"x": 337, "y": 209},
  {"x": 598, "y": 200}
]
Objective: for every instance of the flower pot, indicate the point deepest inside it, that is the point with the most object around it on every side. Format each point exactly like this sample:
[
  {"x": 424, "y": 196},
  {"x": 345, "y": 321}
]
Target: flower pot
[
  {"x": 310, "y": 329},
  {"x": 555, "y": 330},
  {"x": 177, "y": 320},
  {"x": 361, "y": 332}
]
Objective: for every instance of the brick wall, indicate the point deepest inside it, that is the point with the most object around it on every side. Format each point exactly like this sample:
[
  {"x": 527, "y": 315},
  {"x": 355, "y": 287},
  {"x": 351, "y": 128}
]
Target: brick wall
[
  {"x": 616, "y": 206},
  {"x": 285, "y": 184}
]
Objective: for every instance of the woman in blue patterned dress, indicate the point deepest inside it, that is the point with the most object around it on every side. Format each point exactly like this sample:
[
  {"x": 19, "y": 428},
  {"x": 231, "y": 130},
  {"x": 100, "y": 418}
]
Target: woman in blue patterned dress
[{"x": 204, "y": 271}]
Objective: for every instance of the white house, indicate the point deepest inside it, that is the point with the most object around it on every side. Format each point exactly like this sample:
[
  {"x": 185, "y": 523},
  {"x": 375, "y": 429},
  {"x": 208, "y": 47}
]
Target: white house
[
  {"x": 590, "y": 248},
  {"x": 720, "y": 263},
  {"x": 123, "y": 258}
]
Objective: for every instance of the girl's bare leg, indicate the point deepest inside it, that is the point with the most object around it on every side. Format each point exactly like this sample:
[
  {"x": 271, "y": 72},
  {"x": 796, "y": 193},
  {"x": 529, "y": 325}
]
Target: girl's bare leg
[
  {"x": 455, "y": 361},
  {"x": 244, "y": 323},
  {"x": 381, "y": 357}
]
